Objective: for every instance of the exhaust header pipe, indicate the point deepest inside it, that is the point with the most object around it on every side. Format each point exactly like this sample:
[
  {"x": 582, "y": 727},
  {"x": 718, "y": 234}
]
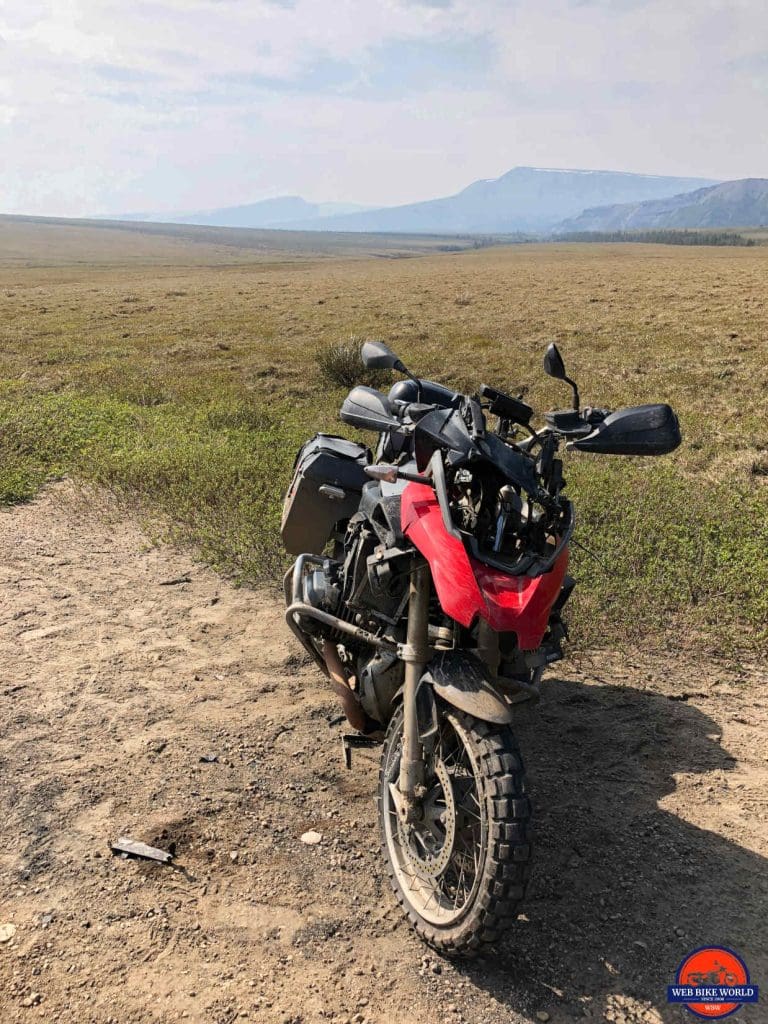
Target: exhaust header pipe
[{"x": 354, "y": 711}]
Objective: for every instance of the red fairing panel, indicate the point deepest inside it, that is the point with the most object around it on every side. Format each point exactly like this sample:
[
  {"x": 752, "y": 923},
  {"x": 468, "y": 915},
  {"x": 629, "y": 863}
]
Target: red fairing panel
[{"x": 467, "y": 588}]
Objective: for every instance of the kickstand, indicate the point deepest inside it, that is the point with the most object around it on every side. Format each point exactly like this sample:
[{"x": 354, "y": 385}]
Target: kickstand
[{"x": 350, "y": 740}]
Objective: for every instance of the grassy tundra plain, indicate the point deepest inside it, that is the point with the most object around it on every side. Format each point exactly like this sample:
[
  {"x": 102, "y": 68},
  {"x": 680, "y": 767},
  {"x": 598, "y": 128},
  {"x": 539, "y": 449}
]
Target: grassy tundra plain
[{"x": 180, "y": 370}]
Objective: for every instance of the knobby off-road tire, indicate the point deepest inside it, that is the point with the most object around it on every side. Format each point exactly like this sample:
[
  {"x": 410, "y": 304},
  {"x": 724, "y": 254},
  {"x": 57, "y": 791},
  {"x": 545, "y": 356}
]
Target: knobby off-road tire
[{"x": 494, "y": 822}]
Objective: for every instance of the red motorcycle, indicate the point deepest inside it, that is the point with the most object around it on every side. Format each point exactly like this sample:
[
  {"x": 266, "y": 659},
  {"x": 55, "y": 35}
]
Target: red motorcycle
[{"x": 428, "y": 587}]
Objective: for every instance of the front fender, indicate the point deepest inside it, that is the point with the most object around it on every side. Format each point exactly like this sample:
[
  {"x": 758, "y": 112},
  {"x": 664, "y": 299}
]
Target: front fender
[{"x": 461, "y": 680}]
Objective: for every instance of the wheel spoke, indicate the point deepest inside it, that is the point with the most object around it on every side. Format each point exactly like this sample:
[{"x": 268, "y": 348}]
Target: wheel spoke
[{"x": 458, "y": 889}]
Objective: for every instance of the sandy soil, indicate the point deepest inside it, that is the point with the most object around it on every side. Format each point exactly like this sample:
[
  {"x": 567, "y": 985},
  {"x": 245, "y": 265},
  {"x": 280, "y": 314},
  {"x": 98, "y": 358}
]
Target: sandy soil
[{"x": 649, "y": 780}]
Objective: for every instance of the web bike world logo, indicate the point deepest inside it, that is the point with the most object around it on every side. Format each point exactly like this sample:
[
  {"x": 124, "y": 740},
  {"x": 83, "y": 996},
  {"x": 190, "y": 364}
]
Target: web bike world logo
[{"x": 712, "y": 982}]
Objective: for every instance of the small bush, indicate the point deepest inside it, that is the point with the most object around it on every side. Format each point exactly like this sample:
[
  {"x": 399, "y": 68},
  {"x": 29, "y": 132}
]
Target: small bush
[
  {"x": 341, "y": 365},
  {"x": 19, "y": 481}
]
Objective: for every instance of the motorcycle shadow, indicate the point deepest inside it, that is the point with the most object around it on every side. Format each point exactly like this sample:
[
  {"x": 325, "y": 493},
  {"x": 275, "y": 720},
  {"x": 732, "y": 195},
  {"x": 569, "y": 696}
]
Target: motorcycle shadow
[{"x": 621, "y": 888}]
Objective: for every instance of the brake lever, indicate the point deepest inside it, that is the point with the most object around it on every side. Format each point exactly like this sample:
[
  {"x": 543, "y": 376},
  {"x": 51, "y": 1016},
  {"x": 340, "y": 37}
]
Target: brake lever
[
  {"x": 476, "y": 424},
  {"x": 391, "y": 474}
]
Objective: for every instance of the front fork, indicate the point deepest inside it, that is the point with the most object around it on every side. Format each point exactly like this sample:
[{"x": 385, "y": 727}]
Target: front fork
[{"x": 415, "y": 653}]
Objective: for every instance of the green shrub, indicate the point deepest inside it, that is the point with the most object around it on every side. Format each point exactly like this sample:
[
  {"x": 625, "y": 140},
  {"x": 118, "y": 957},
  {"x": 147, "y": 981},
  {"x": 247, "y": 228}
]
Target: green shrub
[{"x": 341, "y": 365}]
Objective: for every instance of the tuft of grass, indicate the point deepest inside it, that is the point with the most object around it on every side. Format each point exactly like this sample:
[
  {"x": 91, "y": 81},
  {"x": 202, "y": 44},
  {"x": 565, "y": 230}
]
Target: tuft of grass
[{"x": 341, "y": 365}]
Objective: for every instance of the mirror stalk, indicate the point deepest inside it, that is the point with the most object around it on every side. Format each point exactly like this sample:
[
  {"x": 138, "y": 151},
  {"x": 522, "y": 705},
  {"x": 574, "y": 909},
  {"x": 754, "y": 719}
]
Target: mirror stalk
[
  {"x": 404, "y": 369},
  {"x": 576, "y": 400}
]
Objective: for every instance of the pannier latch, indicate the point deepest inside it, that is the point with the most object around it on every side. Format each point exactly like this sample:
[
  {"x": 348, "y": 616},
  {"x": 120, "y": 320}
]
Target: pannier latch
[{"x": 332, "y": 493}]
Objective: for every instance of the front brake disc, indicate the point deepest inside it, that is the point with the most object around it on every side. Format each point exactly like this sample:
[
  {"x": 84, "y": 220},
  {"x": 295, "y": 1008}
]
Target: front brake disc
[{"x": 430, "y": 840}]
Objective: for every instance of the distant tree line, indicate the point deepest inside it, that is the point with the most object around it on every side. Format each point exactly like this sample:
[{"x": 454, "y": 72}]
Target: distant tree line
[{"x": 659, "y": 237}]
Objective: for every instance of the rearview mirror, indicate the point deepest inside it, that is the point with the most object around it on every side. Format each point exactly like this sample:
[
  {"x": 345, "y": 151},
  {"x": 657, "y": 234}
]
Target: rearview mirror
[
  {"x": 555, "y": 367},
  {"x": 378, "y": 356},
  {"x": 553, "y": 362}
]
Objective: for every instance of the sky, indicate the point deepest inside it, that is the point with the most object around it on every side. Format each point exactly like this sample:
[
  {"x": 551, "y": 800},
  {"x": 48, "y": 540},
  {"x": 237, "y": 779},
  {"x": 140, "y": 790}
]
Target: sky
[{"x": 108, "y": 106}]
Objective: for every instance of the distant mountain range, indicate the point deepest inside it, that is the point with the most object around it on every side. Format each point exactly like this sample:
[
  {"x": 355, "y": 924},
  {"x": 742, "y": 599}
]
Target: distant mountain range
[
  {"x": 732, "y": 204},
  {"x": 283, "y": 212},
  {"x": 532, "y": 200}
]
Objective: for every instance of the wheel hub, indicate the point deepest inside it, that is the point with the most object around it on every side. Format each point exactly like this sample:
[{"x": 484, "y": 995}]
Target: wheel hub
[{"x": 429, "y": 841}]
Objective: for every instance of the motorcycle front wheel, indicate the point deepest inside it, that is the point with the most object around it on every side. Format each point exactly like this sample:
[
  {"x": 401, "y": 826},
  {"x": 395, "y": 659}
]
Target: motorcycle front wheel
[{"x": 460, "y": 871}]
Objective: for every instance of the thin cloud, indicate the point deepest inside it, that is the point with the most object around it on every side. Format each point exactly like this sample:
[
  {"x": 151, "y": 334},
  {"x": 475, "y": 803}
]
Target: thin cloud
[{"x": 168, "y": 104}]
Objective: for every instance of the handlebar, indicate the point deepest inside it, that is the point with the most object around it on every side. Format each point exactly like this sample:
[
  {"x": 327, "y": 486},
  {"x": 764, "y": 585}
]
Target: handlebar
[
  {"x": 575, "y": 422},
  {"x": 412, "y": 411}
]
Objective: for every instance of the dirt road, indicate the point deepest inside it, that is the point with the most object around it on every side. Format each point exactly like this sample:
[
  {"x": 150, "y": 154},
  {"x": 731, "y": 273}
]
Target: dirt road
[{"x": 142, "y": 695}]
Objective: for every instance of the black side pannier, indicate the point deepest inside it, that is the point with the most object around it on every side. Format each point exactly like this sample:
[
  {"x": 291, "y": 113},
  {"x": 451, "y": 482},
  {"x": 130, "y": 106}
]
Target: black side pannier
[{"x": 328, "y": 478}]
